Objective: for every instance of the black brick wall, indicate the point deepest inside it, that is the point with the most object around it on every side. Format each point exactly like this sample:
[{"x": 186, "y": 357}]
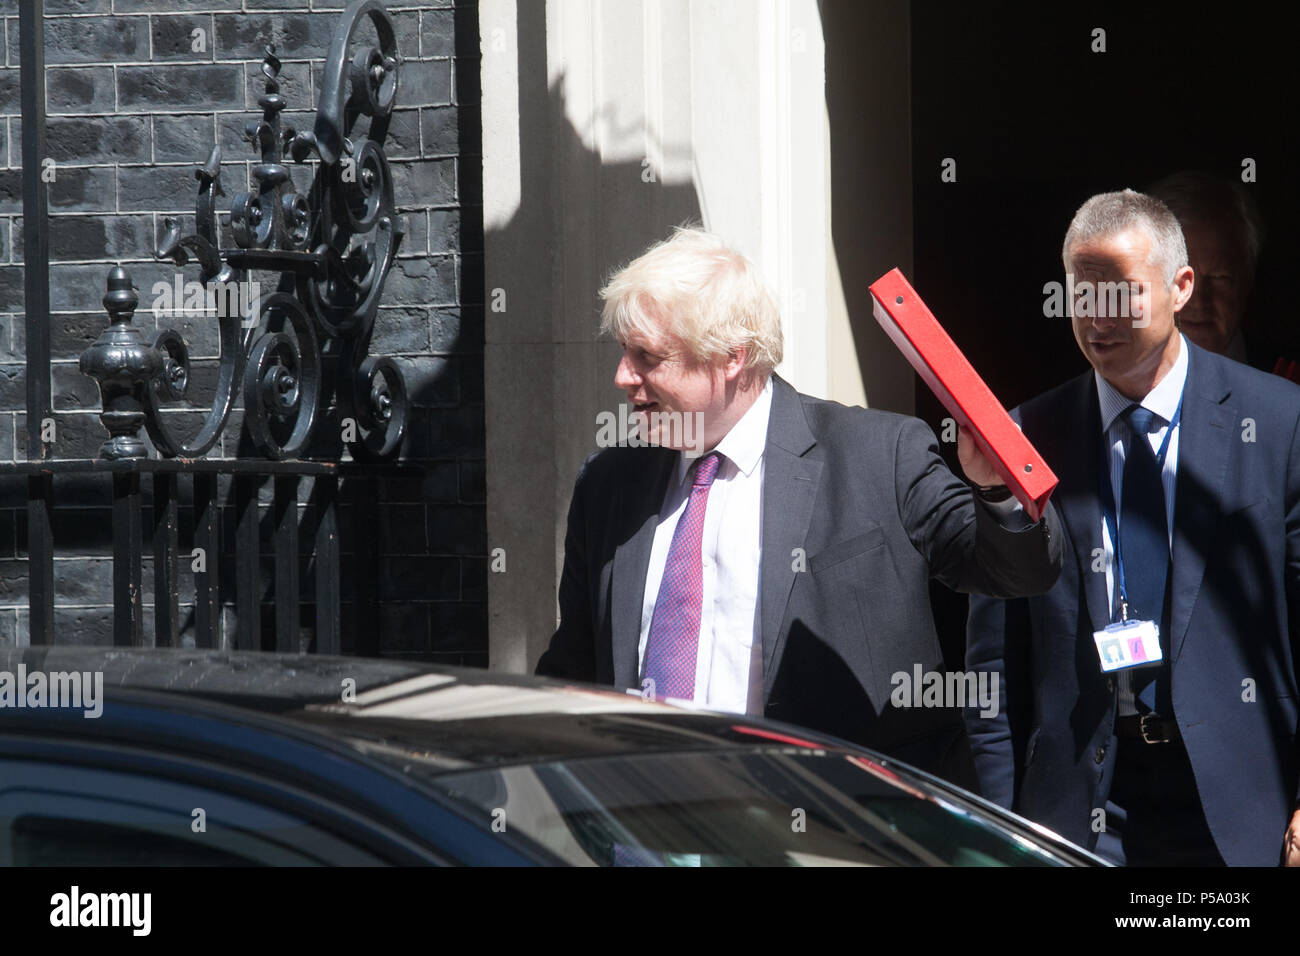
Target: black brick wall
[{"x": 132, "y": 107}]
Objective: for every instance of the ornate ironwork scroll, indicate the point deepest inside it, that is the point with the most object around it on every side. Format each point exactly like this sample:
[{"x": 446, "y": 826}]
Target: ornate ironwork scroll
[{"x": 295, "y": 351}]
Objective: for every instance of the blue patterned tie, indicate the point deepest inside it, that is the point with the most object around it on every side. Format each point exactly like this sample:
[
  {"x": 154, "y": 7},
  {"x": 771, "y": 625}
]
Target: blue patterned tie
[
  {"x": 1144, "y": 538},
  {"x": 674, "y": 640}
]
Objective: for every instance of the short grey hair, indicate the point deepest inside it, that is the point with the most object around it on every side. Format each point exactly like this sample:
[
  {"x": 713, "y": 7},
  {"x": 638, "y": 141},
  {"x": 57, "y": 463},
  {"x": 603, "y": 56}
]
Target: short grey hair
[
  {"x": 1194, "y": 195},
  {"x": 1107, "y": 214}
]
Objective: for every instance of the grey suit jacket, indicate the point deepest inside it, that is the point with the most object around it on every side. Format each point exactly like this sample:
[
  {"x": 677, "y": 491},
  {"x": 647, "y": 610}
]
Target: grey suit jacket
[{"x": 876, "y": 513}]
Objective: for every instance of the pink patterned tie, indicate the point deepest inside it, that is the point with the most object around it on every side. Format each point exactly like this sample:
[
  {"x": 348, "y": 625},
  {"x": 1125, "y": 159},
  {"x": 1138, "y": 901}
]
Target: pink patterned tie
[{"x": 674, "y": 640}]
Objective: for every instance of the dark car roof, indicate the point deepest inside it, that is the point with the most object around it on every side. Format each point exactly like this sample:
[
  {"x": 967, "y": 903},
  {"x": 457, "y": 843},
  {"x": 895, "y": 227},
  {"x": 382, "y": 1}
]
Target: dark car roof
[
  {"x": 460, "y": 717},
  {"x": 284, "y": 713}
]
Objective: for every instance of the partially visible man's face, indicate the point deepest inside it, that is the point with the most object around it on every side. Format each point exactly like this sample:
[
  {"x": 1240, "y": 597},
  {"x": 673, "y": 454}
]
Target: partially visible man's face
[
  {"x": 1213, "y": 315},
  {"x": 665, "y": 383},
  {"x": 1128, "y": 350}
]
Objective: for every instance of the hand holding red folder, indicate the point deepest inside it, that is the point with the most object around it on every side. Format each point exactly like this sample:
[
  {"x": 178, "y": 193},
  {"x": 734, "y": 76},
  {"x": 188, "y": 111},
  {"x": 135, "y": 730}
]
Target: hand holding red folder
[
  {"x": 936, "y": 358},
  {"x": 974, "y": 463}
]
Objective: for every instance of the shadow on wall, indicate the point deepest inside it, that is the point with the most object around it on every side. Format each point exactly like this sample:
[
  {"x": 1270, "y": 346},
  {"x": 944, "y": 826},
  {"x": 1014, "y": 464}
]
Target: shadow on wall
[
  {"x": 586, "y": 214},
  {"x": 587, "y": 205},
  {"x": 869, "y": 110}
]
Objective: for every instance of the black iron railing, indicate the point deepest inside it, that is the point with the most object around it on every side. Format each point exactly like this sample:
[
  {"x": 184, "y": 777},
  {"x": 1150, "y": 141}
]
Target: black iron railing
[{"x": 289, "y": 355}]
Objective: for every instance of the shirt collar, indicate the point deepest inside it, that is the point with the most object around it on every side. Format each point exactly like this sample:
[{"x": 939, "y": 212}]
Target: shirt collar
[
  {"x": 744, "y": 444},
  {"x": 1163, "y": 399}
]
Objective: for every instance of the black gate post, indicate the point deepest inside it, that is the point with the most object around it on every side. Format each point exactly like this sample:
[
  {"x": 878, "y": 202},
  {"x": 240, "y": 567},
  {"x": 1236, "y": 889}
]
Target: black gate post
[
  {"x": 286, "y": 562},
  {"x": 207, "y": 579},
  {"x": 165, "y": 585},
  {"x": 325, "y": 491},
  {"x": 128, "y": 629},
  {"x": 36, "y": 309}
]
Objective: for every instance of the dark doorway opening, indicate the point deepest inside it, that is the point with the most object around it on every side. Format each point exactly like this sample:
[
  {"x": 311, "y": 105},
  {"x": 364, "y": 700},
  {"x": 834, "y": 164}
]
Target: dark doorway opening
[{"x": 1036, "y": 121}]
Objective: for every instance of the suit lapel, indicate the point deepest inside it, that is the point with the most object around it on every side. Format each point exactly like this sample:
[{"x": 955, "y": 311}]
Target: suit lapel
[
  {"x": 641, "y": 496},
  {"x": 790, "y": 486},
  {"x": 1204, "y": 444},
  {"x": 1078, "y": 495}
]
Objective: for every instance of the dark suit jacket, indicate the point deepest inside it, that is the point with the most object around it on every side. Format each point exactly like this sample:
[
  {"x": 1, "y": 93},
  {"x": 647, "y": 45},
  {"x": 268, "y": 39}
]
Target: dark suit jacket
[
  {"x": 1050, "y": 752},
  {"x": 877, "y": 513}
]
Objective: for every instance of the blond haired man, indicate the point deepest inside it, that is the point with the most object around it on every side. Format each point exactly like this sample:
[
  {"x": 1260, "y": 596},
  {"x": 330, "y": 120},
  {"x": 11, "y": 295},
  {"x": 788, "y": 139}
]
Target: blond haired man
[{"x": 769, "y": 552}]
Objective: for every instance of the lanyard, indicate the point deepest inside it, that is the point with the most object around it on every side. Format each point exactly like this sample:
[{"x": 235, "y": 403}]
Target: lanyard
[{"x": 1108, "y": 509}]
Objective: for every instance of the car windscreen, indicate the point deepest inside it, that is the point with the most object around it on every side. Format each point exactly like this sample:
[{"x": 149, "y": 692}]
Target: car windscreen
[{"x": 771, "y": 807}]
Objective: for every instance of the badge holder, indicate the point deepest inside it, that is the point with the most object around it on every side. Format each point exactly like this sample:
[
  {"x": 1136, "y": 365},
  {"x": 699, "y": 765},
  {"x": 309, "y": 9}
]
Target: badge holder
[{"x": 1128, "y": 644}]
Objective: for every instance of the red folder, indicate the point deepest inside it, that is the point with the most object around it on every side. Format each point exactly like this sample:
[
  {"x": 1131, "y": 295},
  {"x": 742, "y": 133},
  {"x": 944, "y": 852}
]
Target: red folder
[{"x": 936, "y": 358}]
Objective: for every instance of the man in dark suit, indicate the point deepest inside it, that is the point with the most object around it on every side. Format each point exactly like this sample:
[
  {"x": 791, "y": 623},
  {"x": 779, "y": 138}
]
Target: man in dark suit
[
  {"x": 778, "y": 565},
  {"x": 1192, "y": 462}
]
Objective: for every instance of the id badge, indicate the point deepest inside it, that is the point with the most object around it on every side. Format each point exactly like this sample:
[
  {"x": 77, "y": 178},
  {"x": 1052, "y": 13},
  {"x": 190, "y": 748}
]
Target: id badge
[{"x": 1128, "y": 644}]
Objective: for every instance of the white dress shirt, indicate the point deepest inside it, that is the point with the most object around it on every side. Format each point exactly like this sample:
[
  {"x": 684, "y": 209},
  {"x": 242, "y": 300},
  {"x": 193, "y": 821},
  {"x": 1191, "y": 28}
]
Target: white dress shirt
[
  {"x": 728, "y": 666},
  {"x": 1163, "y": 400}
]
